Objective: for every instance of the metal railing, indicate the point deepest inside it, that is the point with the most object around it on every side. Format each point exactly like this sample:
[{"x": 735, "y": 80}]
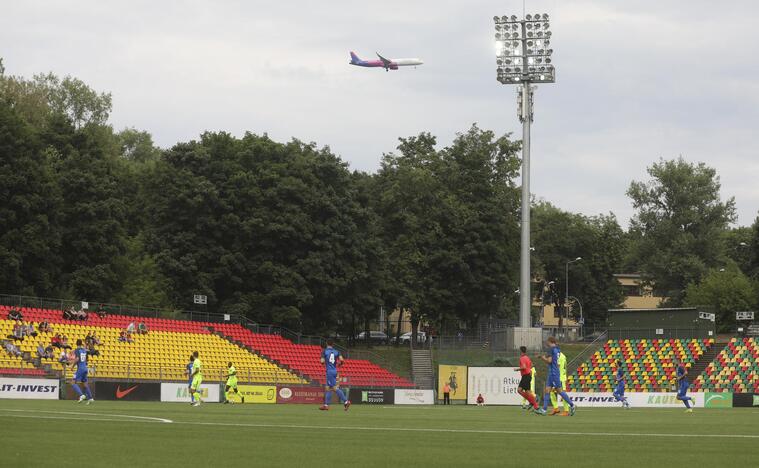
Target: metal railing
[{"x": 658, "y": 333}]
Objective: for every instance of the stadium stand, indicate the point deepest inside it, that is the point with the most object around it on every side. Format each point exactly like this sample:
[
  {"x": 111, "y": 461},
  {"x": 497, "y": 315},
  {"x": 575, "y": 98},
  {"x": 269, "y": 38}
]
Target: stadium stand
[
  {"x": 304, "y": 359},
  {"x": 163, "y": 352},
  {"x": 650, "y": 364},
  {"x": 736, "y": 368},
  {"x": 157, "y": 355}
]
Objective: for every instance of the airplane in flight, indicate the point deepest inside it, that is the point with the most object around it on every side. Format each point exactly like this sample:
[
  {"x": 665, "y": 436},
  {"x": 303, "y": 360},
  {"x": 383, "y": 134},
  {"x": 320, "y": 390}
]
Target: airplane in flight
[{"x": 387, "y": 64}]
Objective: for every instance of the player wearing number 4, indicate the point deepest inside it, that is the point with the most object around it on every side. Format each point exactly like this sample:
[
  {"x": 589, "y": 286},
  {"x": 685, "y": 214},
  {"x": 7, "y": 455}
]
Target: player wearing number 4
[{"x": 331, "y": 359}]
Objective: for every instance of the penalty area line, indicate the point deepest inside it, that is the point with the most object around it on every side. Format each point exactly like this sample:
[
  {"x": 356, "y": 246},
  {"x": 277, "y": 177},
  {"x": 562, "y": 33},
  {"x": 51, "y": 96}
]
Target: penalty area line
[{"x": 470, "y": 431}]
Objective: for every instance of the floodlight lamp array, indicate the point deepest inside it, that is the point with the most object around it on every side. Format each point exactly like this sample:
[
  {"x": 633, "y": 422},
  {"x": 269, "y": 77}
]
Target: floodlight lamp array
[{"x": 523, "y": 49}]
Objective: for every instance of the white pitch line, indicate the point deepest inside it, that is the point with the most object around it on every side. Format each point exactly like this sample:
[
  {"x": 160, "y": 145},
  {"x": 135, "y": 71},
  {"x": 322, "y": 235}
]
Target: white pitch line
[
  {"x": 79, "y": 413},
  {"x": 365, "y": 428},
  {"x": 471, "y": 431}
]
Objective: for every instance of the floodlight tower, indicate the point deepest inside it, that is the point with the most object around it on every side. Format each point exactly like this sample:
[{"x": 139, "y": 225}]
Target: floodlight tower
[{"x": 523, "y": 56}]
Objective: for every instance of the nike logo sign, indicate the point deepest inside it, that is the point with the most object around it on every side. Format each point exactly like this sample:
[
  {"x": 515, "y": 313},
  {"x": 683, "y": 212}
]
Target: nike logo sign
[
  {"x": 715, "y": 397},
  {"x": 121, "y": 394}
]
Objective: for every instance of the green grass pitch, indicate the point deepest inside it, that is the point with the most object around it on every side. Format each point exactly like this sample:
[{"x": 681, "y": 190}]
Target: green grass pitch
[{"x": 64, "y": 433}]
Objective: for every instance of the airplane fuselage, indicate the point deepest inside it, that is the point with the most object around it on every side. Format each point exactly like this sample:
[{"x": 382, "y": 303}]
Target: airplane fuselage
[{"x": 388, "y": 64}]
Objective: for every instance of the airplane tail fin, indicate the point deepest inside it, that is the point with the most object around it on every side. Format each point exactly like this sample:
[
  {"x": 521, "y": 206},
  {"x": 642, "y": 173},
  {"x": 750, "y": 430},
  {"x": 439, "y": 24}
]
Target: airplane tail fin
[{"x": 355, "y": 58}]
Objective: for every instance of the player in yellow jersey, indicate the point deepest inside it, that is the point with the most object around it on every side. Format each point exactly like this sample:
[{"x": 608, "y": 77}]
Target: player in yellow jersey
[
  {"x": 197, "y": 379},
  {"x": 563, "y": 378},
  {"x": 231, "y": 386}
]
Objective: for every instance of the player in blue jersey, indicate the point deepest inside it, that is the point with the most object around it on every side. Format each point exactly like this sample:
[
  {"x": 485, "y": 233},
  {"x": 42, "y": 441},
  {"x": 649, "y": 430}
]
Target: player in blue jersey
[
  {"x": 619, "y": 390},
  {"x": 188, "y": 368},
  {"x": 682, "y": 385},
  {"x": 331, "y": 358},
  {"x": 80, "y": 377},
  {"x": 553, "y": 382}
]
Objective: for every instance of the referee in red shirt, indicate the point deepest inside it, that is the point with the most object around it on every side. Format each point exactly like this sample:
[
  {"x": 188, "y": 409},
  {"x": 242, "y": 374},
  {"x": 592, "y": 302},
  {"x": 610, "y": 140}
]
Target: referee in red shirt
[{"x": 525, "y": 368}]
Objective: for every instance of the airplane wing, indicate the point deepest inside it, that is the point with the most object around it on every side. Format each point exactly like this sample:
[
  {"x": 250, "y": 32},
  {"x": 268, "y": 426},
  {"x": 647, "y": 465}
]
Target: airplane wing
[{"x": 385, "y": 61}]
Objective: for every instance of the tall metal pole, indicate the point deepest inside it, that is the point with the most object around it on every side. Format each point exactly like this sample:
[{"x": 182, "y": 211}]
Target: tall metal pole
[{"x": 525, "y": 297}]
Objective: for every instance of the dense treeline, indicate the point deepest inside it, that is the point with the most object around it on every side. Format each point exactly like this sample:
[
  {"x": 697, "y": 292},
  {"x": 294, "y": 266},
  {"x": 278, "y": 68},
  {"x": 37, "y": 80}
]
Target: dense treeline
[{"x": 287, "y": 233}]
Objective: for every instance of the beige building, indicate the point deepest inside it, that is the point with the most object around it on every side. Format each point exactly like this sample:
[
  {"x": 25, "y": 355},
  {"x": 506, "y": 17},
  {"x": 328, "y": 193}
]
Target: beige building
[{"x": 636, "y": 296}]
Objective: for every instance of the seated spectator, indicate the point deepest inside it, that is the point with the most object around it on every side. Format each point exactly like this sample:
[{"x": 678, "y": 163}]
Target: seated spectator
[
  {"x": 64, "y": 358},
  {"x": 18, "y": 332},
  {"x": 56, "y": 340},
  {"x": 15, "y": 314},
  {"x": 30, "y": 331},
  {"x": 12, "y": 349},
  {"x": 68, "y": 314},
  {"x": 100, "y": 311},
  {"x": 42, "y": 352},
  {"x": 80, "y": 314},
  {"x": 142, "y": 329},
  {"x": 88, "y": 339},
  {"x": 129, "y": 338},
  {"x": 122, "y": 337},
  {"x": 45, "y": 327},
  {"x": 65, "y": 342},
  {"x": 131, "y": 328},
  {"x": 96, "y": 339},
  {"x": 92, "y": 351}
]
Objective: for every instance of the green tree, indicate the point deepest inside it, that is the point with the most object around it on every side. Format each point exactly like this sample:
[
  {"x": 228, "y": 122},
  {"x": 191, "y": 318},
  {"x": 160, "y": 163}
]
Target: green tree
[
  {"x": 678, "y": 224},
  {"x": 559, "y": 237},
  {"x": 725, "y": 291}
]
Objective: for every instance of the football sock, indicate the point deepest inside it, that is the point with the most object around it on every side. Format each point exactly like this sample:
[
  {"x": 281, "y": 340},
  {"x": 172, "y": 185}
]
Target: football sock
[
  {"x": 192, "y": 397},
  {"x": 77, "y": 389},
  {"x": 546, "y": 399},
  {"x": 87, "y": 391},
  {"x": 687, "y": 404},
  {"x": 341, "y": 395},
  {"x": 327, "y": 397},
  {"x": 566, "y": 398}
]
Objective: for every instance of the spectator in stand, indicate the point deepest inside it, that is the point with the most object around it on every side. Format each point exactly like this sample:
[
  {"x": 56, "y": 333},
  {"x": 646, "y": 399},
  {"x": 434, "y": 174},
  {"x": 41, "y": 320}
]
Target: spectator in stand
[
  {"x": 15, "y": 314},
  {"x": 44, "y": 353},
  {"x": 80, "y": 314},
  {"x": 65, "y": 342},
  {"x": 45, "y": 327},
  {"x": 30, "y": 331},
  {"x": 100, "y": 311},
  {"x": 142, "y": 329},
  {"x": 18, "y": 332},
  {"x": 64, "y": 358},
  {"x": 96, "y": 339},
  {"x": 122, "y": 337},
  {"x": 88, "y": 339},
  {"x": 11, "y": 349},
  {"x": 56, "y": 340},
  {"x": 68, "y": 314},
  {"x": 129, "y": 338},
  {"x": 131, "y": 328},
  {"x": 49, "y": 352},
  {"x": 92, "y": 351}
]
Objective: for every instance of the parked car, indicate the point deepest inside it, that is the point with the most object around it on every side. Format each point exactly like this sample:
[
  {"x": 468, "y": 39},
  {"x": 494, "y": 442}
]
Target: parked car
[
  {"x": 421, "y": 337},
  {"x": 376, "y": 337}
]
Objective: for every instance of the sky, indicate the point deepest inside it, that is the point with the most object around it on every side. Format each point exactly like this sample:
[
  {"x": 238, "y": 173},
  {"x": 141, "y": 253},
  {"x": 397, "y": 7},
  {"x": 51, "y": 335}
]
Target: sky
[{"x": 636, "y": 81}]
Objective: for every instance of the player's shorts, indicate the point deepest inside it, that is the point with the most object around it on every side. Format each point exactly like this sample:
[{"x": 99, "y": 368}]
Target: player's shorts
[
  {"x": 554, "y": 381},
  {"x": 683, "y": 388},
  {"x": 524, "y": 384},
  {"x": 196, "y": 381},
  {"x": 232, "y": 382},
  {"x": 331, "y": 379},
  {"x": 80, "y": 376}
]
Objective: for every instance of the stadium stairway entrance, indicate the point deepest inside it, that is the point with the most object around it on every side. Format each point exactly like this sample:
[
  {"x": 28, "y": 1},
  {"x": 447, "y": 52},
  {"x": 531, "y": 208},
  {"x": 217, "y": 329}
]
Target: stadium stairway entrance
[
  {"x": 703, "y": 362},
  {"x": 421, "y": 368}
]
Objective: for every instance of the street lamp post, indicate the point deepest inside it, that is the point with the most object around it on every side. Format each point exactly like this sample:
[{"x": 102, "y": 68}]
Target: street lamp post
[
  {"x": 523, "y": 56},
  {"x": 566, "y": 284}
]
